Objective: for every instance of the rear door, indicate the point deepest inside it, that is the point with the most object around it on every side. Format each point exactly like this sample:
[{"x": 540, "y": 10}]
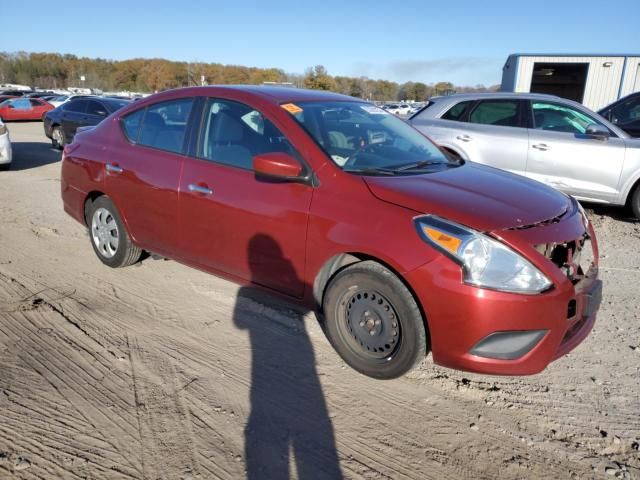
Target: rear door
[
  {"x": 143, "y": 173},
  {"x": 233, "y": 221},
  {"x": 563, "y": 156},
  {"x": 495, "y": 134},
  {"x": 95, "y": 113}
]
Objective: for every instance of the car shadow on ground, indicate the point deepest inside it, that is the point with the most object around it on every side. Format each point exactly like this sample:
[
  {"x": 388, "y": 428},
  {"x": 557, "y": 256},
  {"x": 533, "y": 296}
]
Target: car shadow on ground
[
  {"x": 289, "y": 414},
  {"x": 621, "y": 214},
  {"x": 28, "y": 155}
]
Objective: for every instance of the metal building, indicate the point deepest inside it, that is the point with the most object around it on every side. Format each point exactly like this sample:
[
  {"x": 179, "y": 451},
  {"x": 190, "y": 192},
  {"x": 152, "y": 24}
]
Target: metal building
[{"x": 593, "y": 80}]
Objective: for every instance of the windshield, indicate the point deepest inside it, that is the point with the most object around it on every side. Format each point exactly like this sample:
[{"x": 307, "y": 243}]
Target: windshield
[{"x": 362, "y": 138}]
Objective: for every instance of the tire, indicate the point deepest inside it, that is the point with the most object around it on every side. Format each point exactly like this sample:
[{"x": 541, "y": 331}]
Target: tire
[
  {"x": 635, "y": 202},
  {"x": 4, "y": 167},
  {"x": 367, "y": 297},
  {"x": 57, "y": 137},
  {"x": 108, "y": 235}
]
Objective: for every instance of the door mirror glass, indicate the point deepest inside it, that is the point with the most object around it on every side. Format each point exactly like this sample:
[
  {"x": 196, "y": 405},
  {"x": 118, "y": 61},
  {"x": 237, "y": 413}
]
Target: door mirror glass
[
  {"x": 277, "y": 165},
  {"x": 598, "y": 131}
]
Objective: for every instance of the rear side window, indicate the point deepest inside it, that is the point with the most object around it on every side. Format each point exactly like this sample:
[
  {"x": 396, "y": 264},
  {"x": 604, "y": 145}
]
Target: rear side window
[
  {"x": 96, "y": 108},
  {"x": 131, "y": 124},
  {"x": 233, "y": 133},
  {"x": 503, "y": 113},
  {"x": 456, "y": 112},
  {"x": 165, "y": 124}
]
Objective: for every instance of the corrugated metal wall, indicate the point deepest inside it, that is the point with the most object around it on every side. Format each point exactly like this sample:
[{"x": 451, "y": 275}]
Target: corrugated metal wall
[
  {"x": 631, "y": 80},
  {"x": 603, "y": 83}
]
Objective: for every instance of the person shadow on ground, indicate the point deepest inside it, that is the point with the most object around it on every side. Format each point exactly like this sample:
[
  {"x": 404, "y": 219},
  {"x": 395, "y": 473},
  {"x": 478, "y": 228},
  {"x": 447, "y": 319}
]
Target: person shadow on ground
[{"x": 288, "y": 409}]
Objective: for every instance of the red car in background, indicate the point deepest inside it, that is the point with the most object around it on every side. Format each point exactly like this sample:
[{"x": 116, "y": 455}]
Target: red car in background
[
  {"x": 336, "y": 204},
  {"x": 24, "y": 109}
]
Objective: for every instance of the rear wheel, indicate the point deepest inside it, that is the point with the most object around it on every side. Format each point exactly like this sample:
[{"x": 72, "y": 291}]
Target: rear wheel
[
  {"x": 373, "y": 321},
  {"x": 57, "y": 138},
  {"x": 635, "y": 202},
  {"x": 4, "y": 167},
  {"x": 109, "y": 238}
]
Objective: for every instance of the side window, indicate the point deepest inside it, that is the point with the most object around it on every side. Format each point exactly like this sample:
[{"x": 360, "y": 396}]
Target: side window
[
  {"x": 22, "y": 104},
  {"x": 456, "y": 112},
  {"x": 559, "y": 118},
  {"x": 503, "y": 113},
  {"x": 626, "y": 112},
  {"x": 35, "y": 103},
  {"x": 77, "y": 106},
  {"x": 131, "y": 124},
  {"x": 165, "y": 124},
  {"x": 96, "y": 108},
  {"x": 232, "y": 133}
]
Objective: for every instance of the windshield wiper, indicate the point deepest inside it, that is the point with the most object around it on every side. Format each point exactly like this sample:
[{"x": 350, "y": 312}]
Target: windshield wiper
[
  {"x": 371, "y": 171},
  {"x": 415, "y": 165}
]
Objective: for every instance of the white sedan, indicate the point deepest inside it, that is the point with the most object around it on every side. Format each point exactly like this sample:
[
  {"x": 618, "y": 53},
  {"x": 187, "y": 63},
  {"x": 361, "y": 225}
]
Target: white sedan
[{"x": 5, "y": 147}]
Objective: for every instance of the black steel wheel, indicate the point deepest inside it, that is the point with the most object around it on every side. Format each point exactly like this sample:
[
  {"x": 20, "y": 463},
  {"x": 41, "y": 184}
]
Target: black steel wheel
[{"x": 373, "y": 321}]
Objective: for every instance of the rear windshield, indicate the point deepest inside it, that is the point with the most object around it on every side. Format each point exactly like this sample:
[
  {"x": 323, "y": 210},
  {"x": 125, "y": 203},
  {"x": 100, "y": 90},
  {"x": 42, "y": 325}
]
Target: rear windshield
[{"x": 359, "y": 136}]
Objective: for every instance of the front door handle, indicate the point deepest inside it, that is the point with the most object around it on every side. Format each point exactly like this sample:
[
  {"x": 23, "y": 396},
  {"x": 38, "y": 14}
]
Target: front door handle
[
  {"x": 199, "y": 189},
  {"x": 542, "y": 146},
  {"x": 113, "y": 168},
  {"x": 464, "y": 138}
]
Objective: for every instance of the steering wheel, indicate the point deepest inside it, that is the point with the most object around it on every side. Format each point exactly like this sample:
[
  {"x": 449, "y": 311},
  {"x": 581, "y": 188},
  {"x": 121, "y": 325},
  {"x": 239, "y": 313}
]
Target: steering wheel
[{"x": 353, "y": 158}]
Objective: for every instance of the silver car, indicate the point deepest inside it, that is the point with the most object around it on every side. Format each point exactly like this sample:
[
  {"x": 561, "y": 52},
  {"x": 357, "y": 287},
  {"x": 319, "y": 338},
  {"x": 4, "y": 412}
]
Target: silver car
[
  {"x": 547, "y": 138},
  {"x": 5, "y": 147}
]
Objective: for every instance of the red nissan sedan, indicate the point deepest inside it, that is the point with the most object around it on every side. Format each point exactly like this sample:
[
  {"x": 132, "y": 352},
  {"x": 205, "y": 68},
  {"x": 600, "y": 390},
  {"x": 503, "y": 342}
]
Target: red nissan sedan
[
  {"x": 24, "y": 109},
  {"x": 336, "y": 204}
]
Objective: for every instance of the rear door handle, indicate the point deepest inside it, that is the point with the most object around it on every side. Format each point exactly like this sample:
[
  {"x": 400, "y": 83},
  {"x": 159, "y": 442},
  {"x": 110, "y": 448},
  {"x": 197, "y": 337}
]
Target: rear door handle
[
  {"x": 542, "y": 146},
  {"x": 464, "y": 138},
  {"x": 199, "y": 189},
  {"x": 113, "y": 168}
]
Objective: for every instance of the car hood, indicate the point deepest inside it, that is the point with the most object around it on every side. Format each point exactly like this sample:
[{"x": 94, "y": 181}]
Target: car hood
[{"x": 474, "y": 195}]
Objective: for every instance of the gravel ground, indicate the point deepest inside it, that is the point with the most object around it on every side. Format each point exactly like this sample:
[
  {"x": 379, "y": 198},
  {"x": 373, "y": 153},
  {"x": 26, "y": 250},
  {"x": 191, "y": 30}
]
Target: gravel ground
[{"x": 161, "y": 371}]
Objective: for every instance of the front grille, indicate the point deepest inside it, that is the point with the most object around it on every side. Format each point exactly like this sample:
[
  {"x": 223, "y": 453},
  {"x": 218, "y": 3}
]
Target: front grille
[{"x": 574, "y": 258}]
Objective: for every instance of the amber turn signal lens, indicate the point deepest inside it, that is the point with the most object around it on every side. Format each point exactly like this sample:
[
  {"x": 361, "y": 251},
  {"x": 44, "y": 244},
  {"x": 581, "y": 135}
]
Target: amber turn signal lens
[{"x": 447, "y": 242}]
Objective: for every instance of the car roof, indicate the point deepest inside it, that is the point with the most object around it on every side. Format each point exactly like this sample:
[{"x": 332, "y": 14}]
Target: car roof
[
  {"x": 489, "y": 95},
  {"x": 273, "y": 94}
]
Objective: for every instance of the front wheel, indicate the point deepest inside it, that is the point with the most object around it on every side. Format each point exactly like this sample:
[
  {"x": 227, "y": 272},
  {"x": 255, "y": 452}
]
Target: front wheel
[
  {"x": 109, "y": 238},
  {"x": 373, "y": 321}
]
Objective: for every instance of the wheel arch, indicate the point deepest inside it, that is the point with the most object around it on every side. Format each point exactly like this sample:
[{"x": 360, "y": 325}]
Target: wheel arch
[
  {"x": 89, "y": 199},
  {"x": 341, "y": 261}
]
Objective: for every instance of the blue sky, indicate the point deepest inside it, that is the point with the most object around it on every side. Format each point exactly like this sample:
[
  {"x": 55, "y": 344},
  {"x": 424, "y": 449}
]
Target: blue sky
[{"x": 465, "y": 42}]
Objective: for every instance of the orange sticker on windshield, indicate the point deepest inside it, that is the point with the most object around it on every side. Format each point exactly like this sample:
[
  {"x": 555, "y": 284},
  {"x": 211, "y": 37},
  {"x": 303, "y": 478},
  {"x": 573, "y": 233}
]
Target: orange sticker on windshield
[{"x": 291, "y": 108}]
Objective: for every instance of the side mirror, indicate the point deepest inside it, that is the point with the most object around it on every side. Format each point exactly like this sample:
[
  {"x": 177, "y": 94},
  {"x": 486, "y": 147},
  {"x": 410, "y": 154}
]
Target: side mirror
[
  {"x": 277, "y": 165},
  {"x": 10, "y": 106},
  {"x": 599, "y": 132}
]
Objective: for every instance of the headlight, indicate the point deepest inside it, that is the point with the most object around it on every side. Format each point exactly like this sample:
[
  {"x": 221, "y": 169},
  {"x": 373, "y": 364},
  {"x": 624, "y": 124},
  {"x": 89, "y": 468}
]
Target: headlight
[{"x": 485, "y": 261}]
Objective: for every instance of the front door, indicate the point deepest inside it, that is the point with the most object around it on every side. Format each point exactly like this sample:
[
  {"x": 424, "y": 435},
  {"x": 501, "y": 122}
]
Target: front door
[
  {"x": 233, "y": 221},
  {"x": 563, "y": 156}
]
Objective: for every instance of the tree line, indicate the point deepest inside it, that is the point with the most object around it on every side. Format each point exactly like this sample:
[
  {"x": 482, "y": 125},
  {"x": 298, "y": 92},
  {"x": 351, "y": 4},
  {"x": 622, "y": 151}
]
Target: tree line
[{"x": 59, "y": 71}]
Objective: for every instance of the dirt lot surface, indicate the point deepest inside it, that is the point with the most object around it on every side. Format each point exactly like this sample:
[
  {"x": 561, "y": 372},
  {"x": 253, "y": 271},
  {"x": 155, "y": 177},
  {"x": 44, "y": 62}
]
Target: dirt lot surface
[{"x": 161, "y": 371}]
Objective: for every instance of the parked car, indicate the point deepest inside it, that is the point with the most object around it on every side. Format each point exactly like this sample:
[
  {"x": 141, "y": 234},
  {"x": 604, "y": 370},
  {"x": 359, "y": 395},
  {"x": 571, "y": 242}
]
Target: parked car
[
  {"x": 60, "y": 124},
  {"x": 336, "y": 204},
  {"x": 625, "y": 114},
  {"x": 5, "y": 147},
  {"x": 398, "y": 109},
  {"x": 24, "y": 109},
  {"x": 6, "y": 97},
  {"x": 14, "y": 93},
  {"x": 556, "y": 141}
]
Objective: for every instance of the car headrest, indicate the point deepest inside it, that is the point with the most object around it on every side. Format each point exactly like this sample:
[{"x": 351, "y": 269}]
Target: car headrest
[
  {"x": 154, "y": 119},
  {"x": 226, "y": 129}
]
